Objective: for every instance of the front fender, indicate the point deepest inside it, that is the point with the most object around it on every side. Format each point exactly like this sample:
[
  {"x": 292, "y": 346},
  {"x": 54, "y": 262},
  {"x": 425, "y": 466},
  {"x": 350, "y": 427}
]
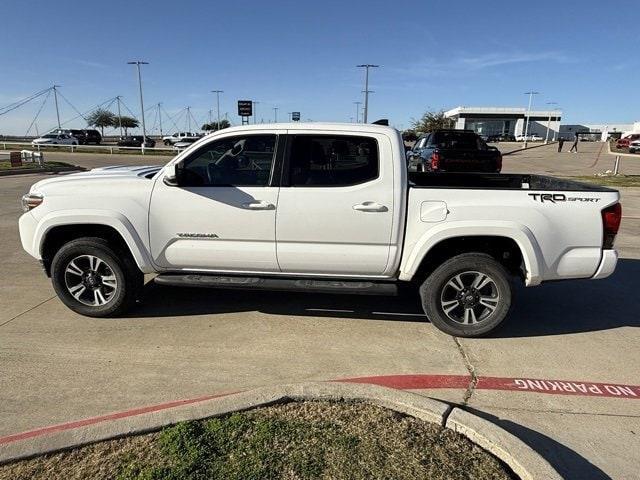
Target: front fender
[
  {"x": 523, "y": 237},
  {"x": 116, "y": 220}
]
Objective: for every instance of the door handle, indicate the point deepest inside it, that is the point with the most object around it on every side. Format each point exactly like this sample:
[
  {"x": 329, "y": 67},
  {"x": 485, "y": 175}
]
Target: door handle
[
  {"x": 258, "y": 205},
  {"x": 370, "y": 207}
]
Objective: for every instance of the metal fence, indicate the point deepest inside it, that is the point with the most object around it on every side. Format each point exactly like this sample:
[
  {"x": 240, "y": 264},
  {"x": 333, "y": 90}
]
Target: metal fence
[{"x": 78, "y": 148}]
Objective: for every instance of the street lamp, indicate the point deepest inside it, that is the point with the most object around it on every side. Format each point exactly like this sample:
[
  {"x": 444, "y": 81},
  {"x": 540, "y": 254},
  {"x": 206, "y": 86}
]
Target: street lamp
[
  {"x": 526, "y": 128},
  {"x": 275, "y": 114},
  {"x": 546, "y": 138},
  {"x": 218, "y": 92},
  {"x": 366, "y": 66},
  {"x": 137, "y": 63},
  {"x": 358, "y": 111}
]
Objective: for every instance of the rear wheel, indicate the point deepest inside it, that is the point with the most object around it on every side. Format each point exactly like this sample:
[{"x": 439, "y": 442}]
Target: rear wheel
[
  {"x": 93, "y": 279},
  {"x": 468, "y": 295}
]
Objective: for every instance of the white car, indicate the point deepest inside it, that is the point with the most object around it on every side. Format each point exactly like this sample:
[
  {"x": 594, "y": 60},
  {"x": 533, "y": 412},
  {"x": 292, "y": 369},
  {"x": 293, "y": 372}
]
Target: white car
[
  {"x": 529, "y": 138},
  {"x": 316, "y": 207},
  {"x": 55, "y": 139},
  {"x": 178, "y": 137},
  {"x": 634, "y": 147}
]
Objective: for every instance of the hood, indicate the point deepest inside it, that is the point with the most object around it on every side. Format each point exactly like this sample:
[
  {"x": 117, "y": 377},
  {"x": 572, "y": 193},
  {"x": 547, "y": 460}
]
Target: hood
[{"x": 114, "y": 173}]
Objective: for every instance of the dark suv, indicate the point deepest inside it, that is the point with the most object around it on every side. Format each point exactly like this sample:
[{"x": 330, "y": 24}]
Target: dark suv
[
  {"x": 136, "y": 141},
  {"x": 453, "y": 151},
  {"x": 93, "y": 136}
]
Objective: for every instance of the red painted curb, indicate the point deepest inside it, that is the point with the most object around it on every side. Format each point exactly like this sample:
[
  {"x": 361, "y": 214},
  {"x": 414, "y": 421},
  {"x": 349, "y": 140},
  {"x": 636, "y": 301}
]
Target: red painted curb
[{"x": 400, "y": 382}]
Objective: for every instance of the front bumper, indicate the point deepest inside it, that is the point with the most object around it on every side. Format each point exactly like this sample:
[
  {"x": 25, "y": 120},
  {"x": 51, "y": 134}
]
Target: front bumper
[
  {"x": 27, "y": 226},
  {"x": 607, "y": 264}
]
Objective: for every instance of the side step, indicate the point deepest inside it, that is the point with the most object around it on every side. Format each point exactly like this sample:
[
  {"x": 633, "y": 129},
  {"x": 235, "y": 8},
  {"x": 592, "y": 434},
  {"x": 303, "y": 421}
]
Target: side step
[{"x": 353, "y": 287}]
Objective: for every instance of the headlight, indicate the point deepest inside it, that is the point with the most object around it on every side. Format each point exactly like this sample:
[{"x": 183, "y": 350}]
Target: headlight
[{"x": 31, "y": 201}]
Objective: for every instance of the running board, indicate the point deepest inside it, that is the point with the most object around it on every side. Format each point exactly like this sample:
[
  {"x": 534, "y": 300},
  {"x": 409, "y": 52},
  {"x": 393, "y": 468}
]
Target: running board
[{"x": 353, "y": 287}]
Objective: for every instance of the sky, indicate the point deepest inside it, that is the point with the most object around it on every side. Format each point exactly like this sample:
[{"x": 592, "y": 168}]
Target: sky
[{"x": 302, "y": 56}]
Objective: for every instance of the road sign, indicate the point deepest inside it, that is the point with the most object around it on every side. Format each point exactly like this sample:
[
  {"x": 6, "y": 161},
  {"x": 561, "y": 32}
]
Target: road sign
[
  {"x": 245, "y": 108},
  {"x": 295, "y": 116}
]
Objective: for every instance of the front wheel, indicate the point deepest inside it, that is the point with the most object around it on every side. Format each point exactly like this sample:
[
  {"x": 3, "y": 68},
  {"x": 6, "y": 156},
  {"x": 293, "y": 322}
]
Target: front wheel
[
  {"x": 468, "y": 295},
  {"x": 93, "y": 279}
]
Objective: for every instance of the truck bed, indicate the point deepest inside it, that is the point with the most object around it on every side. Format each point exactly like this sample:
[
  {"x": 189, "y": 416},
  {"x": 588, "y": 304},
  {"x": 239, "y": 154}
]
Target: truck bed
[{"x": 500, "y": 181}]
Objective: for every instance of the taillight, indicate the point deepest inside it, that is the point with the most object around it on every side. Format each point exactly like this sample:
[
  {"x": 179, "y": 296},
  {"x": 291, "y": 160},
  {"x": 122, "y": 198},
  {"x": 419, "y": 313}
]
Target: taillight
[
  {"x": 435, "y": 161},
  {"x": 611, "y": 217},
  {"x": 499, "y": 163}
]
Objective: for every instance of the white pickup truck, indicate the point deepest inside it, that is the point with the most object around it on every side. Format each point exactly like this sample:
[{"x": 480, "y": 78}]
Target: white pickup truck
[
  {"x": 316, "y": 207},
  {"x": 179, "y": 137}
]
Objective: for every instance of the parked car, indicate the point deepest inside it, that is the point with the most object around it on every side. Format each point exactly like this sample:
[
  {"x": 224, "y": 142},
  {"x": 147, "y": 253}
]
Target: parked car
[
  {"x": 136, "y": 141},
  {"x": 501, "y": 137},
  {"x": 231, "y": 213},
  {"x": 634, "y": 147},
  {"x": 93, "y": 137},
  {"x": 453, "y": 151},
  {"x": 625, "y": 142},
  {"x": 534, "y": 137},
  {"x": 178, "y": 137},
  {"x": 55, "y": 139},
  {"x": 185, "y": 143}
]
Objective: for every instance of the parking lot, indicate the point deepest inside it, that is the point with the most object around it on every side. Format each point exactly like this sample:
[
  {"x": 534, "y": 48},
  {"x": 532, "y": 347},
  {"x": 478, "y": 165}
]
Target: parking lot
[{"x": 57, "y": 366}]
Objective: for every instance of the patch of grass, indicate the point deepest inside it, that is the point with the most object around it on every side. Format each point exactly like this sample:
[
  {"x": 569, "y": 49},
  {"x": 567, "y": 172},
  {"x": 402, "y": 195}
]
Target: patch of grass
[
  {"x": 6, "y": 165},
  {"x": 305, "y": 440},
  {"x": 612, "y": 181}
]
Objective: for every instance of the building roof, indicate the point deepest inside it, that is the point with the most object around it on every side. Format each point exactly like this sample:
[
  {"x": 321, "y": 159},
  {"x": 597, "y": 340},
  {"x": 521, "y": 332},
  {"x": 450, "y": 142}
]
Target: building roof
[{"x": 507, "y": 111}]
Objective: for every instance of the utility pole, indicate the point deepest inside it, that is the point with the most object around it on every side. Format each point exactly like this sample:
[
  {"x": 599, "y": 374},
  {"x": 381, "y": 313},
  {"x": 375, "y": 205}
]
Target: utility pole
[
  {"x": 137, "y": 63},
  {"x": 366, "y": 66},
  {"x": 218, "y": 92},
  {"x": 526, "y": 127},
  {"x": 160, "y": 118},
  {"x": 189, "y": 119},
  {"x": 119, "y": 117},
  {"x": 255, "y": 115},
  {"x": 55, "y": 98},
  {"x": 358, "y": 111},
  {"x": 275, "y": 114},
  {"x": 546, "y": 138}
]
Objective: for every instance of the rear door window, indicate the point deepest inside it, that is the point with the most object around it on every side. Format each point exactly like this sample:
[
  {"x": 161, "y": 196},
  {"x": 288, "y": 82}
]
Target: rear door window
[{"x": 332, "y": 160}]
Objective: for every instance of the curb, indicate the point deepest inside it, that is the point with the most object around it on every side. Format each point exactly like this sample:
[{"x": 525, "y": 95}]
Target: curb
[
  {"x": 521, "y": 458},
  {"x": 26, "y": 171}
]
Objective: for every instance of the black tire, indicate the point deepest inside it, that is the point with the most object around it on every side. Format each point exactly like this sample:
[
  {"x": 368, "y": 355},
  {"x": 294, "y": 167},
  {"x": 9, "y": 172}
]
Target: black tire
[
  {"x": 118, "y": 266},
  {"x": 469, "y": 317}
]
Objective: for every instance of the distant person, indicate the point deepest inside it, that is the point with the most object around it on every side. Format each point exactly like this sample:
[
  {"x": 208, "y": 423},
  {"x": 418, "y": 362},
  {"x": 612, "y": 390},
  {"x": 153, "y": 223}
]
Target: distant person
[
  {"x": 560, "y": 144},
  {"x": 574, "y": 147}
]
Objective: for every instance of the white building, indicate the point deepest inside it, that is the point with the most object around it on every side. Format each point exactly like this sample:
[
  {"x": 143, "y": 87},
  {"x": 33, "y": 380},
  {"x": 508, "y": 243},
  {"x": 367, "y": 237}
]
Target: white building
[{"x": 497, "y": 120}]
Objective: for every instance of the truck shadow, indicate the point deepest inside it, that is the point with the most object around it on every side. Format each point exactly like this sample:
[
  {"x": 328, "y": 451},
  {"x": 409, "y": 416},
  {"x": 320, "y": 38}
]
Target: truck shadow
[{"x": 553, "y": 309}]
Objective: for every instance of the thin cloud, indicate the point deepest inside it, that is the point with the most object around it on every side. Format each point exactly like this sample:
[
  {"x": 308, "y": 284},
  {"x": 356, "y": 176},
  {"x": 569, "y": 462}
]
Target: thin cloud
[{"x": 87, "y": 63}]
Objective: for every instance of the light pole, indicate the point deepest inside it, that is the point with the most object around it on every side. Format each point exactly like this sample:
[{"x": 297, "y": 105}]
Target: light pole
[
  {"x": 526, "y": 127},
  {"x": 160, "y": 119},
  {"x": 119, "y": 116},
  {"x": 255, "y": 116},
  {"x": 366, "y": 67},
  {"x": 55, "y": 98},
  {"x": 275, "y": 114},
  {"x": 546, "y": 138},
  {"x": 358, "y": 111},
  {"x": 218, "y": 92},
  {"x": 137, "y": 63}
]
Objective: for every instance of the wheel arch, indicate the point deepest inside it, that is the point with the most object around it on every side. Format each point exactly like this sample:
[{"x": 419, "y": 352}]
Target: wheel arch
[
  {"x": 54, "y": 232},
  {"x": 515, "y": 249}
]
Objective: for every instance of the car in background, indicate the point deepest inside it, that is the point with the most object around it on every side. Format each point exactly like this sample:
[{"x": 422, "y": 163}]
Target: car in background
[
  {"x": 634, "y": 147},
  {"x": 626, "y": 141},
  {"x": 533, "y": 137},
  {"x": 185, "y": 143},
  {"x": 92, "y": 137},
  {"x": 453, "y": 151},
  {"x": 501, "y": 137},
  {"x": 55, "y": 138},
  {"x": 178, "y": 137},
  {"x": 136, "y": 141}
]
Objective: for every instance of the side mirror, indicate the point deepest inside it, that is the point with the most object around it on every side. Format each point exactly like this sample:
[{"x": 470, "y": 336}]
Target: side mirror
[{"x": 171, "y": 175}]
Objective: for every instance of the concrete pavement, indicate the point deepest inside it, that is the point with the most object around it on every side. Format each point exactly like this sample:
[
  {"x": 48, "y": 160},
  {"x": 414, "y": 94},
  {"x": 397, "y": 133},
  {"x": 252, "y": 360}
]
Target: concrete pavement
[{"x": 57, "y": 366}]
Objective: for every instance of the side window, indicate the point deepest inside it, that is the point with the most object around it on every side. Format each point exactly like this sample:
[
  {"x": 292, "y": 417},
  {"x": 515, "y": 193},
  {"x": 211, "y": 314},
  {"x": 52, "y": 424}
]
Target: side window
[
  {"x": 332, "y": 160},
  {"x": 240, "y": 161}
]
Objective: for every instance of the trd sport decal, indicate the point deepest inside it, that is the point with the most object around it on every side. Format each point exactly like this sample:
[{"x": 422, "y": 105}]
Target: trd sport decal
[{"x": 559, "y": 197}]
